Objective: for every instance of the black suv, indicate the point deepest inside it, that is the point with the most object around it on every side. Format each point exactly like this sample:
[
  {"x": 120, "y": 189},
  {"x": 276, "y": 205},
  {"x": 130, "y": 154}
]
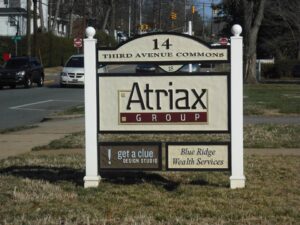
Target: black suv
[{"x": 22, "y": 70}]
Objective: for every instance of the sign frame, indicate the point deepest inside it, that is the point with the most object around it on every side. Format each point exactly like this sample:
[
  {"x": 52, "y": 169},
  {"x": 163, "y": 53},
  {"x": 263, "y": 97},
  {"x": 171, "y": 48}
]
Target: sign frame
[
  {"x": 228, "y": 144},
  {"x": 232, "y": 54},
  {"x": 158, "y": 144}
]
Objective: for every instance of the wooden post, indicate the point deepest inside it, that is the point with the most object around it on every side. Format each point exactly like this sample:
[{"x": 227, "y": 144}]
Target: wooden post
[
  {"x": 92, "y": 177},
  {"x": 237, "y": 179}
]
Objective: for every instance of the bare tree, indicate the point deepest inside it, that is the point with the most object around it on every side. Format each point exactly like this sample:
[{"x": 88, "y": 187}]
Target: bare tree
[
  {"x": 289, "y": 11},
  {"x": 71, "y": 20},
  {"x": 253, "y": 16},
  {"x": 41, "y": 14},
  {"x": 250, "y": 14},
  {"x": 28, "y": 28},
  {"x": 57, "y": 8}
]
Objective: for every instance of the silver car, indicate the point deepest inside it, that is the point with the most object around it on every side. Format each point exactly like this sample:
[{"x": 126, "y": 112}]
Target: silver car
[{"x": 73, "y": 71}]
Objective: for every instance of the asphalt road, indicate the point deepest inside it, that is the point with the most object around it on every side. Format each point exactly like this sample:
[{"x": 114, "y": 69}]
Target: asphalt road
[{"x": 20, "y": 106}]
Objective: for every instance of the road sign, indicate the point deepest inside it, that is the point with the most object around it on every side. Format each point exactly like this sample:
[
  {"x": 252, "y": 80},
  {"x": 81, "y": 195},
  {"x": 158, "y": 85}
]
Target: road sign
[
  {"x": 77, "y": 42},
  {"x": 16, "y": 38},
  {"x": 223, "y": 41}
]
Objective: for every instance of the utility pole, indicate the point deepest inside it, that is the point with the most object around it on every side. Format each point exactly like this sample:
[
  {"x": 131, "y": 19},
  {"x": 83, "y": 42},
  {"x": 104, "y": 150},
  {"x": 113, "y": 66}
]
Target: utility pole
[
  {"x": 185, "y": 16},
  {"x": 159, "y": 14},
  {"x": 141, "y": 18},
  {"x": 212, "y": 20},
  {"x": 28, "y": 27},
  {"x": 172, "y": 19},
  {"x": 129, "y": 19},
  {"x": 203, "y": 20}
]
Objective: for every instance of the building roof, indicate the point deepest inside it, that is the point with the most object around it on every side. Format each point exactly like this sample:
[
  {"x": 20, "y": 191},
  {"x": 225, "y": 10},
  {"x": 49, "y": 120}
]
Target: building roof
[{"x": 12, "y": 11}]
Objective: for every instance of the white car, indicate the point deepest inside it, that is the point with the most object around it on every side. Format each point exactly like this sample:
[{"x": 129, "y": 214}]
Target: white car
[{"x": 73, "y": 71}]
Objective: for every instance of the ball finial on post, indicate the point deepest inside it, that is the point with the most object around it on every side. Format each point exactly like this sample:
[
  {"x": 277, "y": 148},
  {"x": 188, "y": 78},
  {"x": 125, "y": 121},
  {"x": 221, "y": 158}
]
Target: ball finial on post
[
  {"x": 90, "y": 32},
  {"x": 236, "y": 30}
]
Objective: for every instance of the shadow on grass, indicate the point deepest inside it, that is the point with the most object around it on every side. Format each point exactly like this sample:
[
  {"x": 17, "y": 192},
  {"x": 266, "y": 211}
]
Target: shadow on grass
[
  {"x": 128, "y": 178},
  {"x": 65, "y": 174},
  {"x": 51, "y": 174}
]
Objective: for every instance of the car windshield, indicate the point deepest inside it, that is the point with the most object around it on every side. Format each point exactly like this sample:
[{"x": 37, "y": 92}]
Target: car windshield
[
  {"x": 15, "y": 64},
  {"x": 75, "y": 62}
]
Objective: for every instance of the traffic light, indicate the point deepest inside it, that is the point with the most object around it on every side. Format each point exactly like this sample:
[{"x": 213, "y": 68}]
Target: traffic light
[
  {"x": 173, "y": 16},
  {"x": 193, "y": 9}
]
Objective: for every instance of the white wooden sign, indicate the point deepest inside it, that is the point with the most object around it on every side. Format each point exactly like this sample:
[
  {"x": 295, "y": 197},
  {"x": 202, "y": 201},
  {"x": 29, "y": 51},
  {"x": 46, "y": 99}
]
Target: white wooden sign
[{"x": 164, "y": 103}]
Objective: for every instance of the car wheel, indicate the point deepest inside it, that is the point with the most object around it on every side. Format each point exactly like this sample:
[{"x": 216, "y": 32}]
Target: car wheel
[
  {"x": 28, "y": 82},
  {"x": 40, "y": 83},
  {"x": 12, "y": 86},
  {"x": 62, "y": 85},
  {"x": 1, "y": 87}
]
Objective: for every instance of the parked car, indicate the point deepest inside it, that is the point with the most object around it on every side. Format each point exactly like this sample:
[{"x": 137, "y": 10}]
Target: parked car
[
  {"x": 73, "y": 71},
  {"x": 121, "y": 37},
  {"x": 146, "y": 68},
  {"x": 296, "y": 71},
  {"x": 186, "y": 68},
  {"x": 152, "y": 68},
  {"x": 23, "y": 70}
]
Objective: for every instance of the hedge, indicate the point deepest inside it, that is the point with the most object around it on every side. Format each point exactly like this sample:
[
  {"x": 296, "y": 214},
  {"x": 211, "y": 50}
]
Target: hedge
[
  {"x": 51, "y": 50},
  {"x": 281, "y": 68}
]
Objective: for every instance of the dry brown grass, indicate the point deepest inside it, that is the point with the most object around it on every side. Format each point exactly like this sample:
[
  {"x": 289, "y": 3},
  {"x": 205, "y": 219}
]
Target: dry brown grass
[{"x": 41, "y": 189}]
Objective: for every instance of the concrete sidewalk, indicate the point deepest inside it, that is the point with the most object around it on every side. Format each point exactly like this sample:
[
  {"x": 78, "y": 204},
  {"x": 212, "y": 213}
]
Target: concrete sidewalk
[{"x": 19, "y": 142}]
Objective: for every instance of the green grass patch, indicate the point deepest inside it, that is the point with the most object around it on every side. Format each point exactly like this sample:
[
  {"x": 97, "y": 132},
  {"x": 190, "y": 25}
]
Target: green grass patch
[
  {"x": 15, "y": 129},
  {"x": 76, "y": 110},
  {"x": 272, "y": 136},
  {"x": 268, "y": 99},
  {"x": 75, "y": 140},
  {"x": 41, "y": 189}
]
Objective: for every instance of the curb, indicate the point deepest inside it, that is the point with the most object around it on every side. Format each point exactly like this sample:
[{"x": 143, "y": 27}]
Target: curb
[{"x": 62, "y": 117}]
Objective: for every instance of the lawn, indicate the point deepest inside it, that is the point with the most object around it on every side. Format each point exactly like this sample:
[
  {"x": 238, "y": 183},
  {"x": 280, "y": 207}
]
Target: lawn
[
  {"x": 48, "y": 189},
  {"x": 43, "y": 189},
  {"x": 271, "y": 99}
]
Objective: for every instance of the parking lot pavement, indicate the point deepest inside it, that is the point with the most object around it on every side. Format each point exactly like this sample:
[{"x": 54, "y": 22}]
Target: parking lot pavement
[
  {"x": 19, "y": 142},
  {"x": 271, "y": 120}
]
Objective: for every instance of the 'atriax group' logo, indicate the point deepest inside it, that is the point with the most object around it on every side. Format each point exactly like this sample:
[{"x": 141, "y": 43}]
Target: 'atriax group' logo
[{"x": 173, "y": 103}]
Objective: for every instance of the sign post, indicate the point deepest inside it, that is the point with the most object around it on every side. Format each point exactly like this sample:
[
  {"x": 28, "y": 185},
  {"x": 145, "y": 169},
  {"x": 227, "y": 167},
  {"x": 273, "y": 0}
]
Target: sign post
[
  {"x": 237, "y": 179},
  {"x": 92, "y": 177},
  {"x": 16, "y": 39},
  {"x": 77, "y": 43}
]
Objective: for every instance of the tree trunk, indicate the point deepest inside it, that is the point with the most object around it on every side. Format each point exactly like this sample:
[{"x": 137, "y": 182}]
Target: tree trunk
[
  {"x": 113, "y": 18},
  {"x": 34, "y": 28},
  {"x": 50, "y": 15},
  {"x": 252, "y": 22},
  {"x": 298, "y": 57},
  {"x": 107, "y": 14},
  {"x": 41, "y": 12},
  {"x": 28, "y": 28},
  {"x": 71, "y": 18},
  {"x": 54, "y": 24}
]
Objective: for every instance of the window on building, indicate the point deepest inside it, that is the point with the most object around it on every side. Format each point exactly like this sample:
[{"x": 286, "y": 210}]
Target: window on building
[
  {"x": 12, "y": 21},
  {"x": 15, "y": 4}
]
